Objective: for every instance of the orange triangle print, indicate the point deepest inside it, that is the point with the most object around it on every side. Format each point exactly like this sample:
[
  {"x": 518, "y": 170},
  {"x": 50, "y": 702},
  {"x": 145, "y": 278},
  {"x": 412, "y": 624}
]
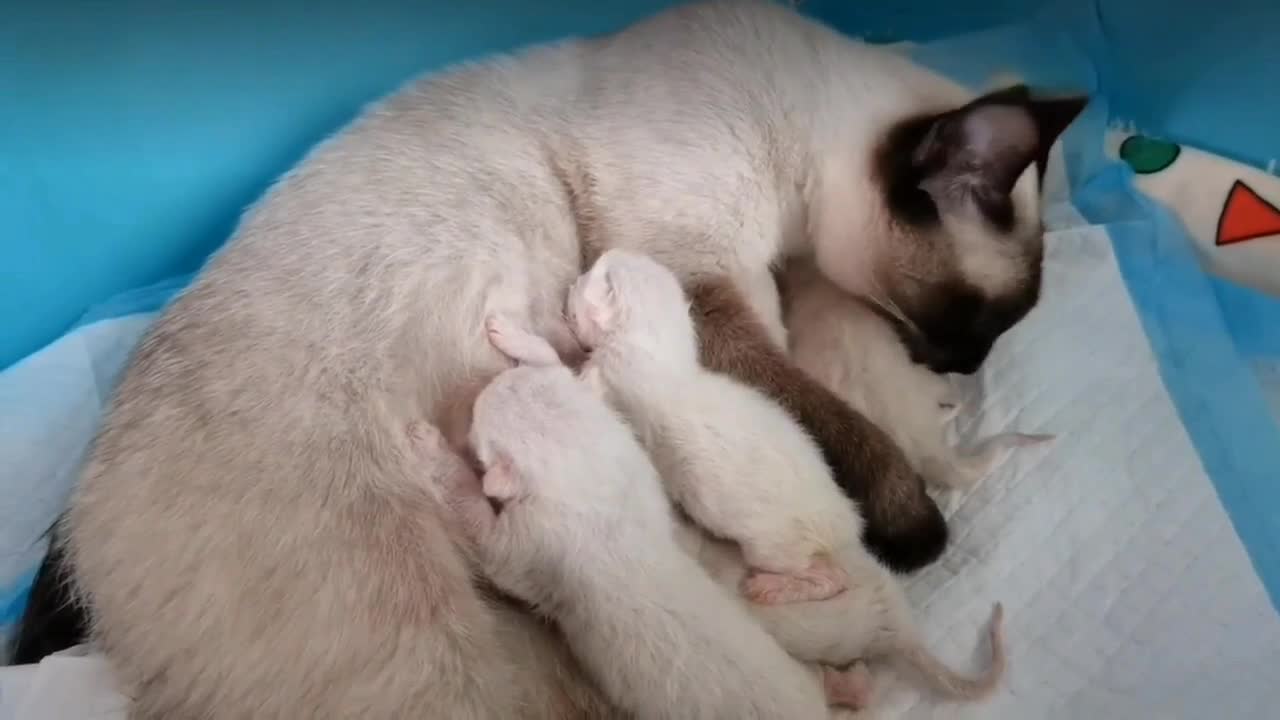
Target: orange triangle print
[{"x": 1246, "y": 216}]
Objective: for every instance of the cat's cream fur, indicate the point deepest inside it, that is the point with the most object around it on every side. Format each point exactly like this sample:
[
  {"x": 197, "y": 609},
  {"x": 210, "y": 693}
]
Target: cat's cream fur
[
  {"x": 850, "y": 347},
  {"x": 585, "y": 534},
  {"x": 251, "y": 534},
  {"x": 730, "y": 457}
]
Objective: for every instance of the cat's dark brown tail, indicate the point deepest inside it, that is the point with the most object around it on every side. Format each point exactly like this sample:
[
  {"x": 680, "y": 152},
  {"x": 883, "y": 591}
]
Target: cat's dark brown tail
[{"x": 52, "y": 620}]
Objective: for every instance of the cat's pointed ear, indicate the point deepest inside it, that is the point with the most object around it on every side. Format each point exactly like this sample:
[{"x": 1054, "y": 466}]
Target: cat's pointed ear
[
  {"x": 983, "y": 147},
  {"x": 501, "y": 481}
]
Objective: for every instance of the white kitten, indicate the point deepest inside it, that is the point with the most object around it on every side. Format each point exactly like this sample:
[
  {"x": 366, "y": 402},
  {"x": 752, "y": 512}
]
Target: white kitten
[
  {"x": 584, "y": 533},
  {"x": 849, "y": 347},
  {"x": 869, "y": 620},
  {"x": 730, "y": 457}
]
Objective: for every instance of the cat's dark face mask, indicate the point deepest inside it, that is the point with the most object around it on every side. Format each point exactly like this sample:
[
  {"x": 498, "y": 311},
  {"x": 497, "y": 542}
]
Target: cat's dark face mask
[
  {"x": 962, "y": 259},
  {"x": 954, "y": 331}
]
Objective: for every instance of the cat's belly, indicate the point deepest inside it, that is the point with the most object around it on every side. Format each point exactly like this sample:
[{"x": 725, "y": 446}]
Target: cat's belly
[
  {"x": 250, "y": 502},
  {"x": 252, "y": 533}
]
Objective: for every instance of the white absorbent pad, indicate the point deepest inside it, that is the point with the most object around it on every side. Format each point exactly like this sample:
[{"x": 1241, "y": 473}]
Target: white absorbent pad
[
  {"x": 75, "y": 684},
  {"x": 1127, "y": 593}
]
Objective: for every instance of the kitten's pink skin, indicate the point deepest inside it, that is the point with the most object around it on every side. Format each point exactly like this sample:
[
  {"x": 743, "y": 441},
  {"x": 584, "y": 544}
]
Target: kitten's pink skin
[
  {"x": 849, "y": 688},
  {"x": 822, "y": 580},
  {"x": 526, "y": 348},
  {"x": 518, "y": 344}
]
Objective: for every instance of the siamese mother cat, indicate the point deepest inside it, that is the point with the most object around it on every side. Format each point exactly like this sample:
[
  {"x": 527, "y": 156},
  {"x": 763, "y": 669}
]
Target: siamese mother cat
[{"x": 253, "y": 535}]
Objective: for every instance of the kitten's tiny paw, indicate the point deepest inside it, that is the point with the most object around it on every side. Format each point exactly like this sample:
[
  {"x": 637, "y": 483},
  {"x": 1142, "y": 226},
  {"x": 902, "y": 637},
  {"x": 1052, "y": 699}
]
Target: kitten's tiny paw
[
  {"x": 849, "y": 688},
  {"x": 821, "y": 581},
  {"x": 497, "y": 331},
  {"x": 519, "y": 345},
  {"x": 771, "y": 589},
  {"x": 426, "y": 438}
]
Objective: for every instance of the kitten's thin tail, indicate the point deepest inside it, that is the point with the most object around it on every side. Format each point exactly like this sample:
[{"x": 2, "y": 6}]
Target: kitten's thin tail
[
  {"x": 990, "y": 453},
  {"x": 950, "y": 683}
]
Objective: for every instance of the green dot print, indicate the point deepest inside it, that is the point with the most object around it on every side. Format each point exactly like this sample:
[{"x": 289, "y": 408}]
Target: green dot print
[{"x": 1148, "y": 155}]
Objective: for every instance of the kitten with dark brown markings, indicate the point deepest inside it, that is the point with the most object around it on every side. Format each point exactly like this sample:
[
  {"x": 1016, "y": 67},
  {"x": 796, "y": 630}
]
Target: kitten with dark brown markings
[
  {"x": 903, "y": 525},
  {"x": 850, "y": 348}
]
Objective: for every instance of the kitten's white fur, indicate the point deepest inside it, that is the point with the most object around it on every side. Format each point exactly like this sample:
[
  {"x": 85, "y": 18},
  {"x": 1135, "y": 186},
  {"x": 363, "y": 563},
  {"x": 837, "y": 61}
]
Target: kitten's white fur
[
  {"x": 730, "y": 456},
  {"x": 586, "y": 535},
  {"x": 846, "y": 345},
  {"x": 869, "y": 620},
  {"x": 251, "y": 533}
]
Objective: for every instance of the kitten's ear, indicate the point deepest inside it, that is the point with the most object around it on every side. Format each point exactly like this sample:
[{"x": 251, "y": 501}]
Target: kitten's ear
[
  {"x": 501, "y": 482},
  {"x": 983, "y": 147}
]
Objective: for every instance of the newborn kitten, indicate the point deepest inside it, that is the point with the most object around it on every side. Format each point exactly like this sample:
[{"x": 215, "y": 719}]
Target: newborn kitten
[
  {"x": 871, "y": 619},
  {"x": 851, "y": 348},
  {"x": 730, "y": 457},
  {"x": 584, "y": 533}
]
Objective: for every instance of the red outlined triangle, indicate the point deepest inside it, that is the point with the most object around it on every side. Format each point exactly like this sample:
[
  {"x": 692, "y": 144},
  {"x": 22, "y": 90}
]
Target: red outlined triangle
[{"x": 1245, "y": 216}]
